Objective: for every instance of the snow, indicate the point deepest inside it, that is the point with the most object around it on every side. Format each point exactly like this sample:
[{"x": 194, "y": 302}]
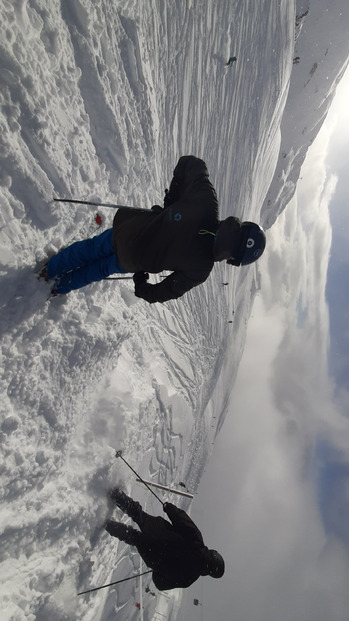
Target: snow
[
  {"x": 322, "y": 47},
  {"x": 98, "y": 101}
]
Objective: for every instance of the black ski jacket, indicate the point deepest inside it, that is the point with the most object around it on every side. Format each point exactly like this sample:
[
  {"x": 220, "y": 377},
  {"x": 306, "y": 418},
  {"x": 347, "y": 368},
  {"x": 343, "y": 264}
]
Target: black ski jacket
[
  {"x": 176, "y": 552},
  {"x": 178, "y": 238}
]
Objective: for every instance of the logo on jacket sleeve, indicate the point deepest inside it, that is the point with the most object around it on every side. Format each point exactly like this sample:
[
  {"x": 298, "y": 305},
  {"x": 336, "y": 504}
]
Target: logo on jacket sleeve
[{"x": 177, "y": 217}]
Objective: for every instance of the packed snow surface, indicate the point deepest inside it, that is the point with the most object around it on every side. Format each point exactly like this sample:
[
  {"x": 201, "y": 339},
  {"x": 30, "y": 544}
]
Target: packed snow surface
[{"x": 98, "y": 102}]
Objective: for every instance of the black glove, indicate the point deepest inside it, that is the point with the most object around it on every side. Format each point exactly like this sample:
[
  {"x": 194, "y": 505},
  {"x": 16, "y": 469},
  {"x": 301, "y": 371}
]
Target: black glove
[
  {"x": 167, "y": 506},
  {"x": 140, "y": 281},
  {"x": 140, "y": 277},
  {"x": 156, "y": 209}
]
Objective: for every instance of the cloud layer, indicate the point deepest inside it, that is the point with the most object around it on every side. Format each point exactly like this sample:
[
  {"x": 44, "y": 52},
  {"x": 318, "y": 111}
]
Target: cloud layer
[{"x": 278, "y": 482}]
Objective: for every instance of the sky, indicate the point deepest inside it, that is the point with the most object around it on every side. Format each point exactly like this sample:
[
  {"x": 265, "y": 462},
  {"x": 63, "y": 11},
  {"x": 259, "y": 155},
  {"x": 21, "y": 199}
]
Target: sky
[
  {"x": 337, "y": 292},
  {"x": 278, "y": 479}
]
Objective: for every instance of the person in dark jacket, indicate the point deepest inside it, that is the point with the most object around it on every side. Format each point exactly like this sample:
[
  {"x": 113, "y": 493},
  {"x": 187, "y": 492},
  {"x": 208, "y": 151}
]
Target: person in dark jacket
[
  {"x": 231, "y": 61},
  {"x": 184, "y": 237},
  {"x": 174, "y": 551}
]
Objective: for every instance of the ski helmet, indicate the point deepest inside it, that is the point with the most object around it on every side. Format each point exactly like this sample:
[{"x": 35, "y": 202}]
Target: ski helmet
[
  {"x": 251, "y": 244},
  {"x": 215, "y": 564}
]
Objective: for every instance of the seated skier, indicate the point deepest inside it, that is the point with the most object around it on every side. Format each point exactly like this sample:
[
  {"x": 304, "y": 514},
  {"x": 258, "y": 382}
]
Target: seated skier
[
  {"x": 175, "y": 552},
  {"x": 185, "y": 237}
]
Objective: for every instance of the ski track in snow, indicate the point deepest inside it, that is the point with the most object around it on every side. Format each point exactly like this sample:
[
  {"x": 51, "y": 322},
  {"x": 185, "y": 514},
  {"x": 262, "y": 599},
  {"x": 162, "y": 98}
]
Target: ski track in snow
[{"x": 98, "y": 101}]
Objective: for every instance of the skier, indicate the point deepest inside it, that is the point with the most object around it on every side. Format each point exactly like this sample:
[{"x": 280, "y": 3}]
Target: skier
[
  {"x": 175, "y": 552},
  {"x": 231, "y": 61},
  {"x": 185, "y": 237}
]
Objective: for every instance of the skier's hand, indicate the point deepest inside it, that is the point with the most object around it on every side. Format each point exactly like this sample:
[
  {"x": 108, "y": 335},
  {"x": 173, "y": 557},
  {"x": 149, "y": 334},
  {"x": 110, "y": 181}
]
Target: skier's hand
[
  {"x": 140, "y": 277},
  {"x": 167, "y": 506},
  {"x": 156, "y": 209},
  {"x": 140, "y": 281}
]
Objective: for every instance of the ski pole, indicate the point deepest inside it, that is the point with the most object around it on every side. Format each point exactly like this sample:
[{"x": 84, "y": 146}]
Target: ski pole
[
  {"x": 119, "y": 454},
  {"x": 122, "y": 277},
  {"x": 73, "y": 200},
  {"x": 111, "y": 583}
]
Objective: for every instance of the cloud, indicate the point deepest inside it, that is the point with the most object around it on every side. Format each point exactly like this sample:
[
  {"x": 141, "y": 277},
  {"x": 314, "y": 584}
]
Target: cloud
[
  {"x": 263, "y": 511},
  {"x": 337, "y": 123},
  {"x": 281, "y": 515},
  {"x": 337, "y": 293},
  {"x": 275, "y": 497}
]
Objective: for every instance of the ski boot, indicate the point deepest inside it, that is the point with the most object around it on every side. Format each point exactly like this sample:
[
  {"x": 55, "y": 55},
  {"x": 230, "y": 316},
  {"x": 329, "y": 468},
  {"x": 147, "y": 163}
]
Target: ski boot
[{"x": 121, "y": 531}]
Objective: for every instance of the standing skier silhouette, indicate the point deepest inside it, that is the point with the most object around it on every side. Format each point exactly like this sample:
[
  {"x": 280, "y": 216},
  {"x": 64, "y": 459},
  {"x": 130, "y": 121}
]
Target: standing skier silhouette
[
  {"x": 174, "y": 550},
  {"x": 231, "y": 61}
]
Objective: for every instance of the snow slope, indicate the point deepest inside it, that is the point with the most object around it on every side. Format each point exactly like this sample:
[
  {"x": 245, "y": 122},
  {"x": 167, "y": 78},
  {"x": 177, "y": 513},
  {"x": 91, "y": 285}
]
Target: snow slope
[
  {"x": 320, "y": 59},
  {"x": 98, "y": 101}
]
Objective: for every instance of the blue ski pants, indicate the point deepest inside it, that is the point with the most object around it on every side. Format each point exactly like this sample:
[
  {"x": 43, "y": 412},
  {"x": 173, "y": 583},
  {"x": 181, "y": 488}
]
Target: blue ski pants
[{"x": 84, "y": 262}]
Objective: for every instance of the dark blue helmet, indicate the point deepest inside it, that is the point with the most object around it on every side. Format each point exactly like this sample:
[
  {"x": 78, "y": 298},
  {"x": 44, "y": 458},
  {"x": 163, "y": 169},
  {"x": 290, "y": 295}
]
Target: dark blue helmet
[{"x": 251, "y": 244}]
